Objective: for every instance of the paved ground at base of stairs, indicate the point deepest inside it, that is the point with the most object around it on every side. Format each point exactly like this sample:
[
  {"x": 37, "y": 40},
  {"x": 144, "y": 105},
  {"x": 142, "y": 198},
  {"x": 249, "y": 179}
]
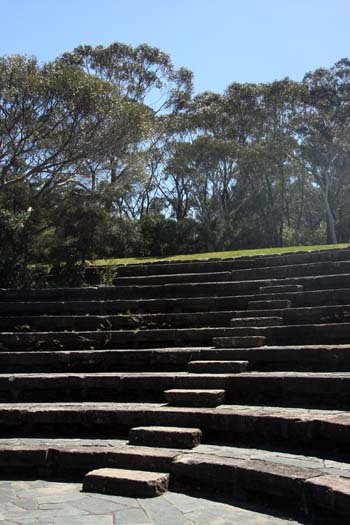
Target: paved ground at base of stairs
[{"x": 51, "y": 503}]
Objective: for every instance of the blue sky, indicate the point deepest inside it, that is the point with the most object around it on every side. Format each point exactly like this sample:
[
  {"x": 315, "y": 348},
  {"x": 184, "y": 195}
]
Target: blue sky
[{"x": 221, "y": 41}]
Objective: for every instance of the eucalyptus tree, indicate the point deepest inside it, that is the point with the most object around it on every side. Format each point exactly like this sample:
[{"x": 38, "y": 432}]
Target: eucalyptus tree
[{"x": 324, "y": 151}]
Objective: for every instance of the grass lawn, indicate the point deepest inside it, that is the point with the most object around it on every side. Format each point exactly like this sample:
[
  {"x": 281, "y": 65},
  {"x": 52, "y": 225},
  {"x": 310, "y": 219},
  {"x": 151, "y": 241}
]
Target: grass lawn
[{"x": 217, "y": 255}]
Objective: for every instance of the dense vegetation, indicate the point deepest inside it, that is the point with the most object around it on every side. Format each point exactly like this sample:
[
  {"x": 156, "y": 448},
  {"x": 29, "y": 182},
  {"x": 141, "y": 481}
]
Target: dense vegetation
[{"x": 106, "y": 152}]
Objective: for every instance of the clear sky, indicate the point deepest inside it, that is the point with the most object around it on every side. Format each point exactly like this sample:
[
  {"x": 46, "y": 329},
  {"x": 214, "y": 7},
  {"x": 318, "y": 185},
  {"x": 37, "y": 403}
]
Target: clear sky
[{"x": 221, "y": 41}]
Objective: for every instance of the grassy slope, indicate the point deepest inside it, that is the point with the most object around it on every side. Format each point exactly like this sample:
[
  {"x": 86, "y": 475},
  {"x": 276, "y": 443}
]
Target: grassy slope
[{"x": 218, "y": 255}]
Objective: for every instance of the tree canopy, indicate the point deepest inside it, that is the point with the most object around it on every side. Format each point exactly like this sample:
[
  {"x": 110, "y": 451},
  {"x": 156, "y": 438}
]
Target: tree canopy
[{"x": 106, "y": 151}]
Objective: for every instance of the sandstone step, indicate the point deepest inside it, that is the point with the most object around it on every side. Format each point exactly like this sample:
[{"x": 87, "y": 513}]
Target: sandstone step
[
  {"x": 171, "y": 437},
  {"x": 256, "y": 321},
  {"x": 148, "y": 386},
  {"x": 71, "y": 458},
  {"x": 114, "y": 338},
  {"x": 269, "y": 305},
  {"x": 303, "y": 491},
  {"x": 239, "y": 341},
  {"x": 293, "y": 428},
  {"x": 296, "y": 357},
  {"x": 239, "y": 286},
  {"x": 217, "y": 367},
  {"x": 246, "y": 466},
  {"x": 122, "y": 482},
  {"x": 312, "y": 358},
  {"x": 308, "y": 334},
  {"x": 195, "y": 398},
  {"x": 216, "y": 265},
  {"x": 156, "y": 280},
  {"x": 316, "y": 314},
  {"x": 336, "y": 294},
  {"x": 288, "y": 288},
  {"x": 45, "y": 323}
]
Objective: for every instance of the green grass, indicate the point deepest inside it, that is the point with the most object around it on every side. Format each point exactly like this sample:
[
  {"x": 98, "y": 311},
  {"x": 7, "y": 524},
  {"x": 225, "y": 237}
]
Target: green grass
[{"x": 217, "y": 255}]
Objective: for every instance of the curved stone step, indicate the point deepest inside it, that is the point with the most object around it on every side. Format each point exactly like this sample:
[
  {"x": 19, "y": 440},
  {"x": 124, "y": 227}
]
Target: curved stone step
[
  {"x": 312, "y": 430},
  {"x": 303, "y": 491}
]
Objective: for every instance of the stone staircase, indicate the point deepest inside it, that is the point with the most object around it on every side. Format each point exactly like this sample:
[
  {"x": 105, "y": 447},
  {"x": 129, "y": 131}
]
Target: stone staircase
[{"x": 227, "y": 377}]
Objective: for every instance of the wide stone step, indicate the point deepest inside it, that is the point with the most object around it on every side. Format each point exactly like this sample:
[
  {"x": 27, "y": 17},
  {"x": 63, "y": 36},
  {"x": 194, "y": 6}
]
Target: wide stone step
[
  {"x": 45, "y": 323},
  {"x": 123, "y": 482},
  {"x": 239, "y": 341},
  {"x": 218, "y": 265},
  {"x": 305, "y": 357},
  {"x": 112, "y": 339},
  {"x": 303, "y": 389},
  {"x": 255, "y": 321},
  {"x": 148, "y": 386},
  {"x": 269, "y": 305},
  {"x": 217, "y": 367},
  {"x": 170, "y": 437},
  {"x": 312, "y": 430},
  {"x": 336, "y": 294},
  {"x": 312, "y": 358},
  {"x": 239, "y": 286},
  {"x": 195, "y": 398},
  {"x": 287, "y": 288},
  {"x": 308, "y": 334},
  {"x": 73, "y": 459},
  {"x": 316, "y": 314},
  {"x": 303, "y": 491}
]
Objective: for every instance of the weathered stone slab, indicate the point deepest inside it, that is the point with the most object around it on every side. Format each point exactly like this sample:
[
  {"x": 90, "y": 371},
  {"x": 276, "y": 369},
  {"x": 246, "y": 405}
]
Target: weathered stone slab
[
  {"x": 131, "y": 483},
  {"x": 239, "y": 341},
  {"x": 195, "y": 398},
  {"x": 287, "y": 288},
  {"x": 256, "y": 321},
  {"x": 217, "y": 367},
  {"x": 171, "y": 437},
  {"x": 269, "y": 305}
]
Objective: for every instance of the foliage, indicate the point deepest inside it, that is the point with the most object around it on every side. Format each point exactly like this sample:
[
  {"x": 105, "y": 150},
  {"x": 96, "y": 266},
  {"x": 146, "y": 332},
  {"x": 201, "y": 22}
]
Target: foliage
[{"x": 105, "y": 152}]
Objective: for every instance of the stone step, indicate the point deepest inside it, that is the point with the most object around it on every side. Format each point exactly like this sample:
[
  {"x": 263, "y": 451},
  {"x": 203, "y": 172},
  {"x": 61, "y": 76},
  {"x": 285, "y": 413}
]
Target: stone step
[
  {"x": 123, "y": 482},
  {"x": 303, "y": 491},
  {"x": 305, "y": 357},
  {"x": 124, "y": 386},
  {"x": 170, "y": 437},
  {"x": 45, "y": 323},
  {"x": 239, "y": 322},
  {"x": 111, "y": 339},
  {"x": 217, "y": 367},
  {"x": 284, "y": 271},
  {"x": 195, "y": 397},
  {"x": 336, "y": 294},
  {"x": 244, "y": 465},
  {"x": 71, "y": 458},
  {"x": 303, "y": 389},
  {"x": 293, "y": 429},
  {"x": 303, "y": 315},
  {"x": 269, "y": 305},
  {"x": 312, "y": 358},
  {"x": 239, "y": 341},
  {"x": 239, "y": 286},
  {"x": 307, "y": 334},
  {"x": 287, "y": 288},
  {"x": 218, "y": 265}
]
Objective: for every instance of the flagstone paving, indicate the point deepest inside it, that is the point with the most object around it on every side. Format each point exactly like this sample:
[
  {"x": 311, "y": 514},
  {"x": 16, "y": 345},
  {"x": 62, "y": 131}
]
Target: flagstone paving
[{"x": 51, "y": 503}]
